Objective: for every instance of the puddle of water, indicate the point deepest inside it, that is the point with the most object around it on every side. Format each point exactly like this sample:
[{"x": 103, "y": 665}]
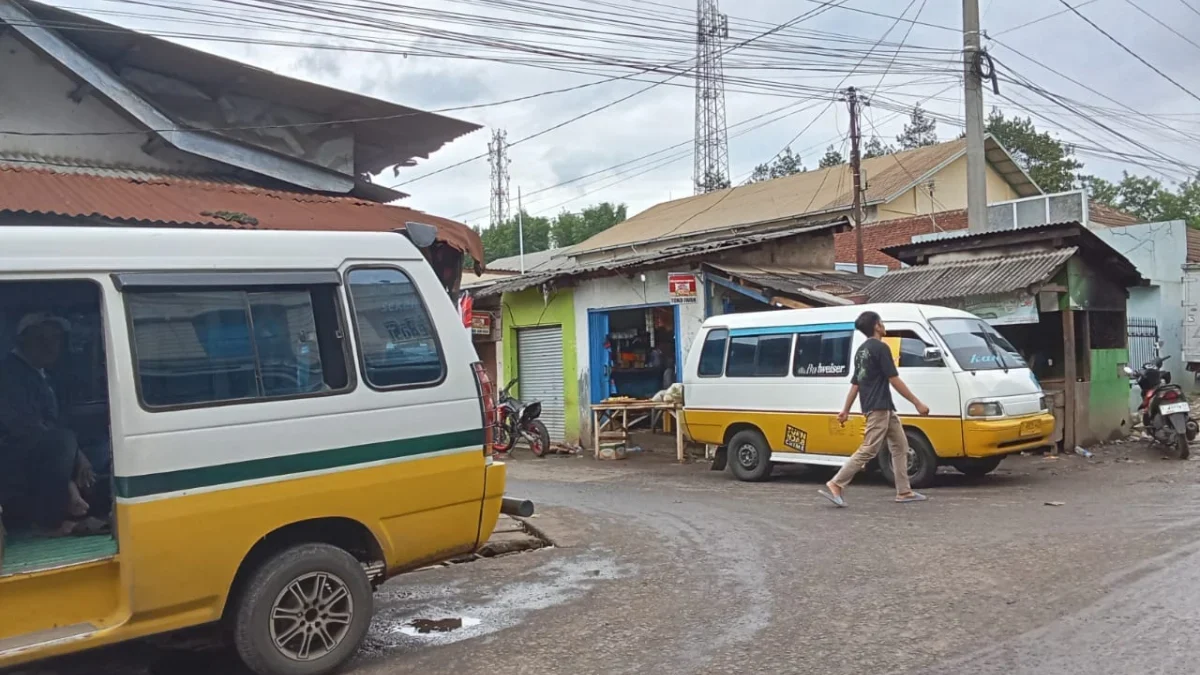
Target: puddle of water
[
  {"x": 426, "y": 627},
  {"x": 505, "y": 606}
]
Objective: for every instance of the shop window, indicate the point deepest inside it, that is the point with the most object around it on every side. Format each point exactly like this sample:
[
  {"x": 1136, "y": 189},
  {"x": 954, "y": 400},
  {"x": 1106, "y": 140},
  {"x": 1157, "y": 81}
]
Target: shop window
[
  {"x": 823, "y": 354},
  {"x": 758, "y": 356},
  {"x": 712, "y": 354}
]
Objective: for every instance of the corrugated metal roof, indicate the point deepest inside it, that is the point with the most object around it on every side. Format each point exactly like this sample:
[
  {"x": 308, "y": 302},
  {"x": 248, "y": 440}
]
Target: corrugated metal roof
[
  {"x": 793, "y": 197},
  {"x": 666, "y": 255},
  {"x": 190, "y": 202},
  {"x": 977, "y": 276},
  {"x": 822, "y": 285},
  {"x": 541, "y": 261}
]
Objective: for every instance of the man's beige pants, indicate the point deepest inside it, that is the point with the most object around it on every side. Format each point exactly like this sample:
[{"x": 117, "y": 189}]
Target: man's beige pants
[{"x": 883, "y": 427}]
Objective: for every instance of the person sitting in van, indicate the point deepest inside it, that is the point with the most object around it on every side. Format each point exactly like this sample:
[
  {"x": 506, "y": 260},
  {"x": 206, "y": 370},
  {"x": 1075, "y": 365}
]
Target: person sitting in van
[{"x": 43, "y": 472}]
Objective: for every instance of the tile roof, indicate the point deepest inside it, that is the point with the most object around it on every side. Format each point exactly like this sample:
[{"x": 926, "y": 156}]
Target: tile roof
[
  {"x": 792, "y": 197},
  {"x": 1193, "y": 245},
  {"x": 191, "y": 202},
  {"x": 962, "y": 278}
]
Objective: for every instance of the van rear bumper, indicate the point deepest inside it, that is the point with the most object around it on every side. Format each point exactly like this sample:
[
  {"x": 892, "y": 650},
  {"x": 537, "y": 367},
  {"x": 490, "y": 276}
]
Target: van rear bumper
[
  {"x": 988, "y": 438},
  {"x": 493, "y": 500}
]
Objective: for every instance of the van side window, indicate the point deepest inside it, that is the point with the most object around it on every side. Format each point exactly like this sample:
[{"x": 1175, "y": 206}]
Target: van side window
[
  {"x": 912, "y": 350},
  {"x": 712, "y": 354},
  {"x": 823, "y": 354},
  {"x": 396, "y": 339},
  {"x": 758, "y": 356},
  {"x": 208, "y": 346}
]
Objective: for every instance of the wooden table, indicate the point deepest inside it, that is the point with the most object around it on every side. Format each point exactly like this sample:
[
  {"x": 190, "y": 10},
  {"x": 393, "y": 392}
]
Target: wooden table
[{"x": 610, "y": 421}]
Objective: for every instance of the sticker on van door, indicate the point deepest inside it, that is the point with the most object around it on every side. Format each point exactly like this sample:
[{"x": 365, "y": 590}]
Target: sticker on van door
[{"x": 795, "y": 439}]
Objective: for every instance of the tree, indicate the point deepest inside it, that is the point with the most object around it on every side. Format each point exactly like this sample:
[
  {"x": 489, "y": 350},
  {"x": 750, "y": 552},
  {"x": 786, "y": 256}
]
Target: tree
[
  {"x": 1050, "y": 162},
  {"x": 832, "y": 158},
  {"x": 1147, "y": 197},
  {"x": 571, "y": 228},
  {"x": 920, "y": 131},
  {"x": 500, "y": 240},
  {"x": 713, "y": 181},
  {"x": 786, "y": 163},
  {"x": 876, "y": 148}
]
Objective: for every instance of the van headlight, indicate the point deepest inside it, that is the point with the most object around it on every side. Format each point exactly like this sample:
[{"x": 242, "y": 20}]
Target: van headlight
[
  {"x": 1042, "y": 404},
  {"x": 985, "y": 409}
]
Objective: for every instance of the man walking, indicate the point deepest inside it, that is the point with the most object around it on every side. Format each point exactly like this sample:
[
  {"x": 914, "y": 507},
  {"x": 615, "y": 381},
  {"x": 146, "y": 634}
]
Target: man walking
[{"x": 874, "y": 377}]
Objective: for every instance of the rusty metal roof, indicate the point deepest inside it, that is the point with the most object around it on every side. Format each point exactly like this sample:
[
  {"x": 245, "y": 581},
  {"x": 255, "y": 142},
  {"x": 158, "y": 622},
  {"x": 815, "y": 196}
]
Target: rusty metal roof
[
  {"x": 192, "y": 202},
  {"x": 824, "y": 286},
  {"x": 962, "y": 278}
]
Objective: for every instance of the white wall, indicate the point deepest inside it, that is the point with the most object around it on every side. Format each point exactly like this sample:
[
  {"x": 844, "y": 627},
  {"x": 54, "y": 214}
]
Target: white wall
[
  {"x": 1159, "y": 250},
  {"x": 38, "y": 100},
  {"x": 623, "y": 291}
]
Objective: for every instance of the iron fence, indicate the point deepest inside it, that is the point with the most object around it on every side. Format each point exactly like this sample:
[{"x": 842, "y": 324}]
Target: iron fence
[{"x": 1143, "y": 335}]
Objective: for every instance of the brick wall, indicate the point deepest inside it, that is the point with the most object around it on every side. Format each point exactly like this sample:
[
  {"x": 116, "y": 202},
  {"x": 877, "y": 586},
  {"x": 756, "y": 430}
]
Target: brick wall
[{"x": 881, "y": 235}]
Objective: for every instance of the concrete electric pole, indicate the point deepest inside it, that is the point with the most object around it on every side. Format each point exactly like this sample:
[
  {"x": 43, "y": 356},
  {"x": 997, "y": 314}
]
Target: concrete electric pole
[
  {"x": 856, "y": 170},
  {"x": 976, "y": 155}
]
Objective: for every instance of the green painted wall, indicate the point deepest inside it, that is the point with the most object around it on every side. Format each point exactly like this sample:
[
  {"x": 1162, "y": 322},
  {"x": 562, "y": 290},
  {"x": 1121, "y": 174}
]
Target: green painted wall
[
  {"x": 528, "y": 309},
  {"x": 1108, "y": 398}
]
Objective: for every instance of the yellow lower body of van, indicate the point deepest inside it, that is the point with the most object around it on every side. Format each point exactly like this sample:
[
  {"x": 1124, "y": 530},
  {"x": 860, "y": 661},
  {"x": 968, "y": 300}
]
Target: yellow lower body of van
[{"x": 195, "y": 547}]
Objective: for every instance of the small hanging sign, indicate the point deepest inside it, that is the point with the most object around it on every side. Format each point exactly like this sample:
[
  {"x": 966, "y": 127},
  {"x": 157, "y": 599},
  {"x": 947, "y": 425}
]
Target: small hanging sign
[{"x": 681, "y": 287}]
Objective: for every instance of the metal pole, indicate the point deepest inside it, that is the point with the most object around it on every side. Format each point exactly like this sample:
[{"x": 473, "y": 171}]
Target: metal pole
[
  {"x": 973, "y": 98},
  {"x": 856, "y": 170},
  {"x": 521, "y": 228}
]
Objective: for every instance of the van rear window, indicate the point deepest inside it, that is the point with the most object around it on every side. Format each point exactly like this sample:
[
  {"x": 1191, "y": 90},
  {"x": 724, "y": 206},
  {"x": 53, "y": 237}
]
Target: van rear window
[
  {"x": 712, "y": 354},
  {"x": 396, "y": 337}
]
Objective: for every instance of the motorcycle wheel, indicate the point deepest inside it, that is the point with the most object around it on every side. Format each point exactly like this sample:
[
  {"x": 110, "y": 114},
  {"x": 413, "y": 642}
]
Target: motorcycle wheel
[
  {"x": 540, "y": 441},
  {"x": 1181, "y": 442},
  {"x": 502, "y": 439}
]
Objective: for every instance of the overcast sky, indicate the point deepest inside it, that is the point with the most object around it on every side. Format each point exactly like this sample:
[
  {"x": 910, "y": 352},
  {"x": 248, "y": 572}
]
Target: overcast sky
[{"x": 1167, "y": 120}]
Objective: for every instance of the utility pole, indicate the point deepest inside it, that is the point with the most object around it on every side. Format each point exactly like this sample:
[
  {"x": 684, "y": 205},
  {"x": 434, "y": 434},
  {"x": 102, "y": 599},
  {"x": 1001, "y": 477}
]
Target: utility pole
[
  {"x": 976, "y": 157},
  {"x": 856, "y": 169},
  {"x": 711, "y": 153},
  {"x": 498, "y": 161},
  {"x": 521, "y": 229}
]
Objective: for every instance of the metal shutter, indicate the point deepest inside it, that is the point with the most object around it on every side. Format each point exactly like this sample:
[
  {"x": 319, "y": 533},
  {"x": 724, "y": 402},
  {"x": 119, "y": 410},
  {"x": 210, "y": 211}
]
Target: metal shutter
[{"x": 540, "y": 369}]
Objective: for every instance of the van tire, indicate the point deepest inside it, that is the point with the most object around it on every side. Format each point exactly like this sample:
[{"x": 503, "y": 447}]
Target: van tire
[
  {"x": 750, "y": 456},
  {"x": 977, "y": 467},
  {"x": 273, "y": 587},
  {"x": 923, "y": 462}
]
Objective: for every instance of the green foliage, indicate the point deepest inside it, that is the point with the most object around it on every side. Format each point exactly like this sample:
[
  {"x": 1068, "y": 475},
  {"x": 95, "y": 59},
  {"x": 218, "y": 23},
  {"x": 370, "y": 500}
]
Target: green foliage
[
  {"x": 1147, "y": 198},
  {"x": 920, "y": 131},
  {"x": 542, "y": 234},
  {"x": 1049, "y": 161},
  {"x": 714, "y": 181},
  {"x": 786, "y": 164},
  {"x": 832, "y": 158},
  {"x": 876, "y": 148}
]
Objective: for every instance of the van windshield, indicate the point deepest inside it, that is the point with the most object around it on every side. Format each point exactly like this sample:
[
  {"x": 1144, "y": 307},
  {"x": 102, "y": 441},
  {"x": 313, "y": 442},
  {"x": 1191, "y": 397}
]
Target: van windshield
[{"x": 977, "y": 346}]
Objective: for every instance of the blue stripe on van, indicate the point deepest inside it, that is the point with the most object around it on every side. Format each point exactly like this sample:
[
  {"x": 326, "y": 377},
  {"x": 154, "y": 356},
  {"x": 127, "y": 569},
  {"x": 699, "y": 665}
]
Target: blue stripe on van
[{"x": 788, "y": 330}]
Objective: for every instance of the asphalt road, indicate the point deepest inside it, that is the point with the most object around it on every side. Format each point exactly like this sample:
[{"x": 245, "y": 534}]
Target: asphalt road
[{"x": 668, "y": 569}]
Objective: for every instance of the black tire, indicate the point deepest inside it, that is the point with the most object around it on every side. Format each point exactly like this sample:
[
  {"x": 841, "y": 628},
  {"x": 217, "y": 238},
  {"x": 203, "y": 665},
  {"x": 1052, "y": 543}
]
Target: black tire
[
  {"x": 977, "y": 467},
  {"x": 1181, "y": 442},
  {"x": 540, "y": 446},
  {"x": 750, "y": 456},
  {"x": 323, "y": 568},
  {"x": 922, "y": 462},
  {"x": 502, "y": 440}
]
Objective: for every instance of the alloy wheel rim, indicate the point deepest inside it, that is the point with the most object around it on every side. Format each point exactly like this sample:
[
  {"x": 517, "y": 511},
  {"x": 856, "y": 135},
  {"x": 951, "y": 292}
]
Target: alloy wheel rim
[{"x": 311, "y": 616}]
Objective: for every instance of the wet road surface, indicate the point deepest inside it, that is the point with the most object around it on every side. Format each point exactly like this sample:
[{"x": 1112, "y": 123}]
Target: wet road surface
[{"x": 675, "y": 569}]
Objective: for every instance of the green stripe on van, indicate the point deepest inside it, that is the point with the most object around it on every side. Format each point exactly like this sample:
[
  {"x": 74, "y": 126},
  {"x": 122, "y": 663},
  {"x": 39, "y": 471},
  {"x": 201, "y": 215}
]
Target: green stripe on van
[{"x": 130, "y": 487}]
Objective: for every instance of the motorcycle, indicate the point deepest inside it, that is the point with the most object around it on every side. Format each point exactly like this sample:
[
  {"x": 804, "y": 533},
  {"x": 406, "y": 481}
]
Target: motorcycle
[
  {"x": 1166, "y": 414},
  {"x": 515, "y": 419}
]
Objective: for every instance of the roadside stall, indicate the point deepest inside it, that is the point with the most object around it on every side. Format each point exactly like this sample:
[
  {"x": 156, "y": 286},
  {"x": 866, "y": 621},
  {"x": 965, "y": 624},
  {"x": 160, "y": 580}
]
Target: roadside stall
[{"x": 1056, "y": 292}]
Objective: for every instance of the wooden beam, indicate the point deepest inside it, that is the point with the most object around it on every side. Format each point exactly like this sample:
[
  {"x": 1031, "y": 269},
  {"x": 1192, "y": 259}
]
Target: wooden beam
[
  {"x": 788, "y": 302},
  {"x": 1070, "y": 375}
]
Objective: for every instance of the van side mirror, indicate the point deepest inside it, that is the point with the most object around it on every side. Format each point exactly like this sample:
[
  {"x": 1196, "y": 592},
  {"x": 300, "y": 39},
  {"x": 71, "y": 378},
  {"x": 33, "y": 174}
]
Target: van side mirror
[{"x": 933, "y": 355}]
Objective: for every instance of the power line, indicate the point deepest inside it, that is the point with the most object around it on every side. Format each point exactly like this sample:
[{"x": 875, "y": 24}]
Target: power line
[
  {"x": 1130, "y": 51},
  {"x": 1041, "y": 19},
  {"x": 1160, "y": 22}
]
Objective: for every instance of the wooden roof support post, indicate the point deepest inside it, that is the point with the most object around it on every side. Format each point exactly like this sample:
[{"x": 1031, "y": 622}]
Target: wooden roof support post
[{"x": 1070, "y": 376}]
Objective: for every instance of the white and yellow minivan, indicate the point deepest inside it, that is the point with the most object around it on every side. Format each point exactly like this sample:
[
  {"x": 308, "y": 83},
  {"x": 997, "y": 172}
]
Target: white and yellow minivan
[
  {"x": 293, "y": 417},
  {"x": 766, "y": 388}
]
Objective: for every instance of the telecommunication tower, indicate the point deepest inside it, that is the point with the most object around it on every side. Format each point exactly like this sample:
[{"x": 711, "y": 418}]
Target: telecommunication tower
[
  {"x": 498, "y": 161},
  {"x": 711, "y": 154}
]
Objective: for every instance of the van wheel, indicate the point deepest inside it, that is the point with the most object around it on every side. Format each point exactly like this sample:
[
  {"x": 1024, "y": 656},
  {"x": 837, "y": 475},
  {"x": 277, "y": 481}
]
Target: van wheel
[
  {"x": 977, "y": 467},
  {"x": 749, "y": 456},
  {"x": 922, "y": 462},
  {"x": 304, "y": 612}
]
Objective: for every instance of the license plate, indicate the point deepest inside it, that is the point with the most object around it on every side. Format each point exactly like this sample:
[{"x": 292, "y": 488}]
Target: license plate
[
  {"x": 1031, "y": 428},
  {"x": 1172, "y": 408}
]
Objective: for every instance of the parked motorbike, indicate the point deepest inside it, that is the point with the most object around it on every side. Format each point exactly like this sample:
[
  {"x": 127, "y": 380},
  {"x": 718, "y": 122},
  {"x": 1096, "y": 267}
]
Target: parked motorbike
[
  {"x": 515, "y": 419},
  {"x": 1166, "y": 414}
]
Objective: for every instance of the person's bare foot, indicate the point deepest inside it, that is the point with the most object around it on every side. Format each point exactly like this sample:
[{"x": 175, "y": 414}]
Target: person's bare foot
[{"x": 76, "y": 506}]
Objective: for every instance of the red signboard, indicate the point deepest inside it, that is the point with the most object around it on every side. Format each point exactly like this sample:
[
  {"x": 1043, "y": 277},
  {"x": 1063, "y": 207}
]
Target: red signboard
[{"x": 681, "y": 287}]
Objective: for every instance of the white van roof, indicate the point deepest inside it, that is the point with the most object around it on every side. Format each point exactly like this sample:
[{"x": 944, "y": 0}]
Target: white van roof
[
  {"x": 888, "y": 311},
  {"x": 65, "y": 248}
]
